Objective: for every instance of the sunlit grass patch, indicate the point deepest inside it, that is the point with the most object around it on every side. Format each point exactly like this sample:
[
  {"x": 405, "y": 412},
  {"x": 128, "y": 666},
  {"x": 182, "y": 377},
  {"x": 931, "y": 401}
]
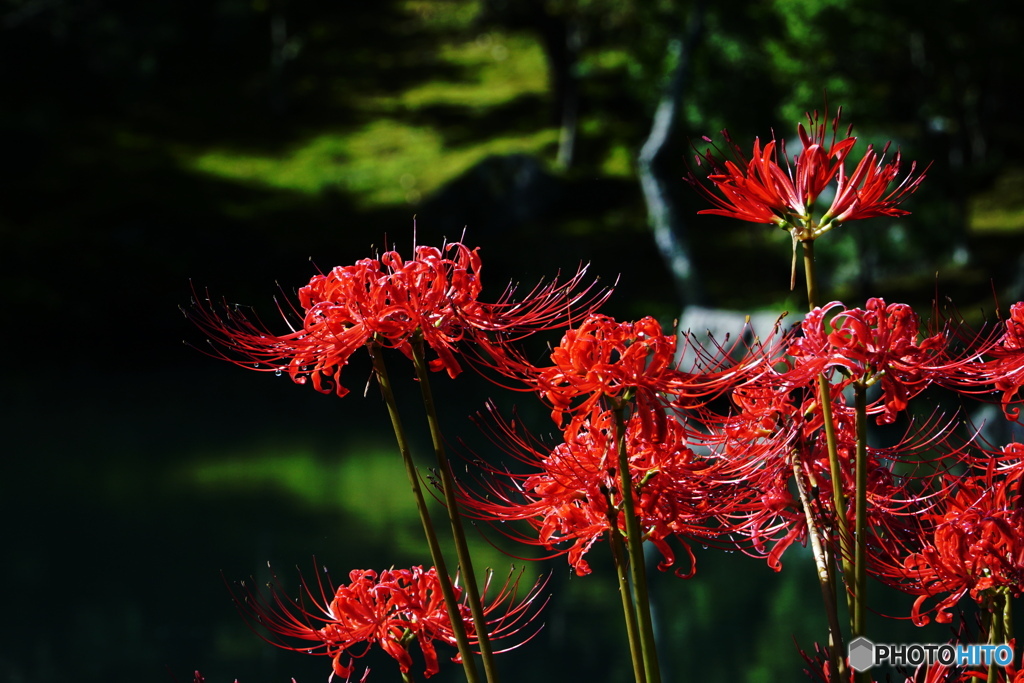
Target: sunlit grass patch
[
  {"x": 385, "y": 162},
  {"x": 447, "y": 14},
  {"x": 1000, "y": 209},
  {"x": 499, "y": 67},
  {"x": 361, "y": 483},
  {"x": 618, "y": 163},
  {"x": 995, "y": 220}
]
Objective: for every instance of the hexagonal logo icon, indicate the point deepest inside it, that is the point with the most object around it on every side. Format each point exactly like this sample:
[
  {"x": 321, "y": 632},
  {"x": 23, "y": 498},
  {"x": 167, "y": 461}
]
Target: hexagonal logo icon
[{"x": 861, "y": 653}]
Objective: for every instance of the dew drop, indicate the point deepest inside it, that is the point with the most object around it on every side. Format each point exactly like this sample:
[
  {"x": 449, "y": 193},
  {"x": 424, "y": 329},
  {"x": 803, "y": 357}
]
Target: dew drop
[{"x": 278, "y": 372}]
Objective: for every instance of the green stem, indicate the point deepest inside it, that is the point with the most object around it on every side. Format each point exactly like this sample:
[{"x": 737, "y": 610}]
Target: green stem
[
  {"x": 858, "y": 618},
  {"x": 836, "y": 475},
  {"x": 628, "y": 611},
  {"x": 846, "y": 552},
  {"x": 825, "y": 401},
  {"x": 825, "y": 580},
  {"x": 1007, "y": 617},
  {"x": 454, "y": 518},
  {"x": 450, "y": 601},
  {"x": 809, "y": 274},
  {"x": 998, "y": 604},
  {"x": 986, "y": 628},
  {"x": 407, "y": 676},
  {"x": 635, "y": 546}
]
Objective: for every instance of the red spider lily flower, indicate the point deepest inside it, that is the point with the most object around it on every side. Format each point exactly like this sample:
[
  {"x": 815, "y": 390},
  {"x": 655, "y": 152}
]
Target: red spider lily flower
[
  {"x": 1004, "y": 370},
  {"x": 389, "y": 300},
  {"x": 770, "y": 188},
  {"x": 1009, "y": 362},
  {"x": 390, "y": 609},
  {"x": 778, "y": 422},
  {"x": 995, "y": 363},
  {"x": 771, "y": 429},
  {"x": 971, "y": 541},
  {"x": 878, "y": 343},
  {"x": 606, "y": 359},
  {"x": 572, "y": 498},
  {"x": 866, "y": 194},
  {"x": 938, "y": 673}
]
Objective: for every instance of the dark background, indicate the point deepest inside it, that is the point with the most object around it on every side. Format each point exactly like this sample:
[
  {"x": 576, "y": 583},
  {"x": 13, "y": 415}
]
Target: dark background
[{"x": 150, "y": 148}]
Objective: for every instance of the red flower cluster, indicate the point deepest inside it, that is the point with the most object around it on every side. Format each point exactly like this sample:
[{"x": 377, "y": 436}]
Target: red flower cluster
[
  {"x": 390, "y": 609},
  {"x": 389, "y": 300},
  {"x": 604, "y": 361},
  {"x": 876, "y": 343},
  {"x": 971, "y": 541},
  {"x": 776, "y": 425},
  {"x": 603, "y": 358},
  {"x": 769, "y": 188},
  {"x": 775, "y": 444},
  {"x": 572, "y": 495},
  {"x": 965, "y": 540}
]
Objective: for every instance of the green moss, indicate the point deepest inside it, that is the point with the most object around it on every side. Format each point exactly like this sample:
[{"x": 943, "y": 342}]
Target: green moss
[
  {"x": 1000, "y": 209},
  {"x": 618, "y": 163},
  {"x": 385, "y": 162},
  {"x": 360, "y": 484},
  {"x": 447, "y": 14},
  {"x": 498, "y": 69}
]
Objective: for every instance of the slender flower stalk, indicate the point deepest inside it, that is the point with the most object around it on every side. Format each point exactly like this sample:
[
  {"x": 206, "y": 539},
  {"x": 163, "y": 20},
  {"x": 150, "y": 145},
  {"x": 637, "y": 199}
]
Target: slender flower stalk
[
  {"x": 847, "y": 554},
  {"x": 858, "y": 619},
  {"x": 826, "y": 581},
  {"x": 629, "y": 609},
  {"x": 635, "y": 547},
  {"x": 447, "y": 589},
  {"x": 454, "y": 516}
]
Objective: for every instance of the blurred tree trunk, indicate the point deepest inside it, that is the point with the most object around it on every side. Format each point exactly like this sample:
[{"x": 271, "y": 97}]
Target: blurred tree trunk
[
  {"x": 668, "y": 228},
  {"x": 561, "y": 37},
  {"x": 563, "y": 56}
]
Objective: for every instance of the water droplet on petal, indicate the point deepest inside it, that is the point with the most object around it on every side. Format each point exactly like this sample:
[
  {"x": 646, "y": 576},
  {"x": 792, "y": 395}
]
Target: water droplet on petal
[{"x": 278, "y": 372}]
